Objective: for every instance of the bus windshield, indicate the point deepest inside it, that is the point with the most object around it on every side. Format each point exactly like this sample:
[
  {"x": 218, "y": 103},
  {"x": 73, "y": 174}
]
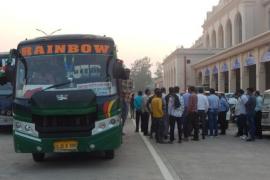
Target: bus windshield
[{"x": 85, "y": 71}]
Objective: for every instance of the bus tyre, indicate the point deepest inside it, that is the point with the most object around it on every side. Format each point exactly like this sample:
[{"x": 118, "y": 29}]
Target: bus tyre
[
  {"x": 38, "y": 157},
  {"x": 109, "y": 154}
]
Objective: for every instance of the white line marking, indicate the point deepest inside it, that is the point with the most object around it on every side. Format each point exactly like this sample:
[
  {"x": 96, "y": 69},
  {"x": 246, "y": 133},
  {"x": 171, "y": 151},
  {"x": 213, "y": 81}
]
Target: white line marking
[{"x": 161, "y": 165}]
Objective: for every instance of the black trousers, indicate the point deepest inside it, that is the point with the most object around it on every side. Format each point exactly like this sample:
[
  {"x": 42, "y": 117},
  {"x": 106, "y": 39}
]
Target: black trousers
[
  {"x": 222, "y": 121},
  {"x": 138, "y": 119},
  {"x": 193, "y": 116},
  {"x": 202, "y": 121},
  {"x": 159, "y": 129},
  {"x": 186, "y": 124},
  {"x": 258, "y": 123},
  {"x": 145, "y": 122},
  {"x": 242, "y": 125},
  {"x": 174, "y": 120}
]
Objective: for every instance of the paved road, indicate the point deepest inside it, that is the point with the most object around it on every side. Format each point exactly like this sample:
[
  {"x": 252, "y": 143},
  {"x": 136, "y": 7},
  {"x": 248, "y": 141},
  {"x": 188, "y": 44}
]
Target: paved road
[
  {"x": 224, "y": 157},
  {"x": 132, "y": 162},
  {"x": 220, "y": 158}
]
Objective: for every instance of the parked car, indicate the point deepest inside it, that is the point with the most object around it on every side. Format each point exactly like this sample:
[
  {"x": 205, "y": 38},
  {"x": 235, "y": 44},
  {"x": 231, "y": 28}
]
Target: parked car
[{"x": 266, "y": 111}]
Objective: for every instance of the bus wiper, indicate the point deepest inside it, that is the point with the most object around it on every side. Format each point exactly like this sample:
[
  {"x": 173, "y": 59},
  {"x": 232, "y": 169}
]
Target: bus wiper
[{"x": 56, "y": 85}]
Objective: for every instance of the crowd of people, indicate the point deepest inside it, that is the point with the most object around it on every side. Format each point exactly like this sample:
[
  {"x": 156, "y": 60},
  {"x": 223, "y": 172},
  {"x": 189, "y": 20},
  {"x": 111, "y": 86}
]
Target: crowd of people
[{"x": 195, "y": 114}]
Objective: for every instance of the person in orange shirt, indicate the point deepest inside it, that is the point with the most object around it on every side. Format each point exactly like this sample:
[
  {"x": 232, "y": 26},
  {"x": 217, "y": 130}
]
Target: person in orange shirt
[{"x": 157, "y": 114}]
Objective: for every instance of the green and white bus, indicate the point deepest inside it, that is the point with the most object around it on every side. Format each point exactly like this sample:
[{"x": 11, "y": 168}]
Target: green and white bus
[{"x": 66, "y": 95}]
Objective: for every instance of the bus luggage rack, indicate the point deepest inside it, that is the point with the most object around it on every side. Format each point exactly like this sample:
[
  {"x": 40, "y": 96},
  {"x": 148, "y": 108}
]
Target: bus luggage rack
[{"x": 63, "y": 126}]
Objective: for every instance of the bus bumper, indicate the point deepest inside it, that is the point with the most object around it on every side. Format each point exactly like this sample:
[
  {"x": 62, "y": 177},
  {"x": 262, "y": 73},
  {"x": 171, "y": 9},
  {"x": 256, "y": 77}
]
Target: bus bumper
[{"x": 107, "y": 140}]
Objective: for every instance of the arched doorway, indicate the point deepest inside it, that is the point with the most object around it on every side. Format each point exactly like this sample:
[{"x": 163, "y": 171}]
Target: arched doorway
[
  {"x": 207, "y": 41},
  {"x": 214, "y": 40},
  {"x": 238, "y": 28},
  {"x": 228, "y": 34},
  {"x": 220, "y": 37}
]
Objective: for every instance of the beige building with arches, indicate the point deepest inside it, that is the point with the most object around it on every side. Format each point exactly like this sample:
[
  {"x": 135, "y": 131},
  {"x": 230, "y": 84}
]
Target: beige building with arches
[{"x": 237, "y": 38}]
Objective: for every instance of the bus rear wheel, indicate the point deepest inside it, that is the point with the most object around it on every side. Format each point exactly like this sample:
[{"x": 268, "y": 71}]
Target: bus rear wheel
[
  {"x": 109, "y": 154},
  {"x": 38, "y": 157}
]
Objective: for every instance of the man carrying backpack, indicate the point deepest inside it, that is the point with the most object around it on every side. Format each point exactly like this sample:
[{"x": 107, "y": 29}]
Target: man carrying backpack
[{"x": 177, "y": 104}]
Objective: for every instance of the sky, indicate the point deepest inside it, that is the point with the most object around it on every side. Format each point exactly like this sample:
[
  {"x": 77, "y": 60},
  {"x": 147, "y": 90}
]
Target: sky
[{"x": 140, "y": 28}]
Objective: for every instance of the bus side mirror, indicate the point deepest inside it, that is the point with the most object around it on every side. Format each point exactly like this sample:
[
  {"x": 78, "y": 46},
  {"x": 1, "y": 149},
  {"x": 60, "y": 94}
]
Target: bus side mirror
[
  {"x": 126, "y": 74},
  {"x": 119, "y": 72}
]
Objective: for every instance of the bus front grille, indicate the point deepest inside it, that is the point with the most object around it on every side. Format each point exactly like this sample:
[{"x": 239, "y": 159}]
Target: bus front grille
[{"x": 64, "y": 126}]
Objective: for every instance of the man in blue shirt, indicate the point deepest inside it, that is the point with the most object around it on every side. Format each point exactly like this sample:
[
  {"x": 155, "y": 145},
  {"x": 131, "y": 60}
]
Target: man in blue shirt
[
  {"x": 223, "y": 109},
  {"x": 186, "y": 123},
  {"x": 213, "y": 112},
  {"x": 138, "y": 100},
  {"x": 250, "y": 109}
]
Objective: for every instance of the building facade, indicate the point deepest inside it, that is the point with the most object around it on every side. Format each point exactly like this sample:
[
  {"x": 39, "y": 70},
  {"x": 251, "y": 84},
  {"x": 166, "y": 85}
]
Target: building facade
[
  {"x": 177, "y": 66},
  {"x": 241, "y": 27},
  {"x": 233, "y": 51}
]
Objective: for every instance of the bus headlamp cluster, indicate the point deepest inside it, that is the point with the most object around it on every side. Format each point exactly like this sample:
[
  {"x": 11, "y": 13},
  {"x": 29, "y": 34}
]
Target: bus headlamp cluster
[
  {"x": 6, "y": 112},
  {"x": 24, "y": 127},
  {"x": 107, "y": 124}
]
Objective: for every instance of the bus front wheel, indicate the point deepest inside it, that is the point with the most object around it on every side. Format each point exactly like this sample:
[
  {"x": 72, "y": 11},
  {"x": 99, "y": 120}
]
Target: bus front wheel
[
  {"x": 109, "y": 154},
  {"x": 38, "y": 157}
]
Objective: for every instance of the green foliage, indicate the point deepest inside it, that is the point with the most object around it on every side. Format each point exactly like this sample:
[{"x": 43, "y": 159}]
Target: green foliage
[{"x": 141, "y": 74}]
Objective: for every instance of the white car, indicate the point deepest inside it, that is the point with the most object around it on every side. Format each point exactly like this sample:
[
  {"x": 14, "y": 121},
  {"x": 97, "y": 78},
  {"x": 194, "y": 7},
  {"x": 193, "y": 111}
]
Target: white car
[{"x": 266, "y": 111}]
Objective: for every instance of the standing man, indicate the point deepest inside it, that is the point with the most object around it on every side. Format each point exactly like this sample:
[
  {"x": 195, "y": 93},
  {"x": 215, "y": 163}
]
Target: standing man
[
  {"x": 186, "y": 122},
  {"x": 169, "y": 107},
  {"x": 203, "y": 106},
  {"x": 125, "y": 109},
  {"x": 192, "y": 112},
  {"x": 138, "y": 100},
  {"x": 132, "y": 106},
  {"x": 242, "y": 118},
  {"x": 157, "y": 113},
  {"x": 258, "y": 116},
  {"x": 213, "y": 113},
  {"x": 223, "y": 109},
  {"x": 145, "y": 112},
  {"x": 177, "y": 112},
  {"x": 250, "y": 108}
]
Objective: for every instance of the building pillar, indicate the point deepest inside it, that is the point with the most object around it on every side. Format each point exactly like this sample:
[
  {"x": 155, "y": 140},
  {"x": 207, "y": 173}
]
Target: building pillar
[
  {"x": 232, "y": 78},
  {"x": 244, "y": 76},
  {"x": 221, "y": 79},
  {"x": 211, "y": 79},
  {"x": 258, "y": 61},
  {"x": 248, "y": 23},
  {"x": 260, "y": 69}
]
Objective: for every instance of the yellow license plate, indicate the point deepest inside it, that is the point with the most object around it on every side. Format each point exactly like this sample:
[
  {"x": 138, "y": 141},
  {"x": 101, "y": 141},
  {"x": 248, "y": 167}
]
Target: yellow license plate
[{"x": 65, "y": 146}]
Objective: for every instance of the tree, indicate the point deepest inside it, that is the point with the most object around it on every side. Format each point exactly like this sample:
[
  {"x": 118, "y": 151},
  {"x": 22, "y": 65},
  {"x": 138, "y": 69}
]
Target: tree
[
  {"x": 159, "y": 71},
  {"x": 141, "y": 74}
]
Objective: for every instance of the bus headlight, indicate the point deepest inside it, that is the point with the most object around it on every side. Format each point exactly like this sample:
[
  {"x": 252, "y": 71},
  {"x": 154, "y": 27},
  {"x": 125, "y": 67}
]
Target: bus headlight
[
  {"x": 9, "y": 113},
  {"x": 27, "y": 128},
  {"x": 102, "y": 125},
  {"x": 112, "y": 121},
  {"x": 18, "y": 125}
]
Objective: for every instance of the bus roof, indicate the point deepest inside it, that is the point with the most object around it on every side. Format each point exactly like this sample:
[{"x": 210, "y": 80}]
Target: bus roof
[{"x": 66, "y": 37}]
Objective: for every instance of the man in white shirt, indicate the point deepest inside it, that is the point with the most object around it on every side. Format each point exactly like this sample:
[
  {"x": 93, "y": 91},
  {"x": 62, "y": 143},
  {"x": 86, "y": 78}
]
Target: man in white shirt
[
  {"x": 242, "y": 118},
  {"x": 177, "y": 108},
  {"x": 203, "y": 106}
]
